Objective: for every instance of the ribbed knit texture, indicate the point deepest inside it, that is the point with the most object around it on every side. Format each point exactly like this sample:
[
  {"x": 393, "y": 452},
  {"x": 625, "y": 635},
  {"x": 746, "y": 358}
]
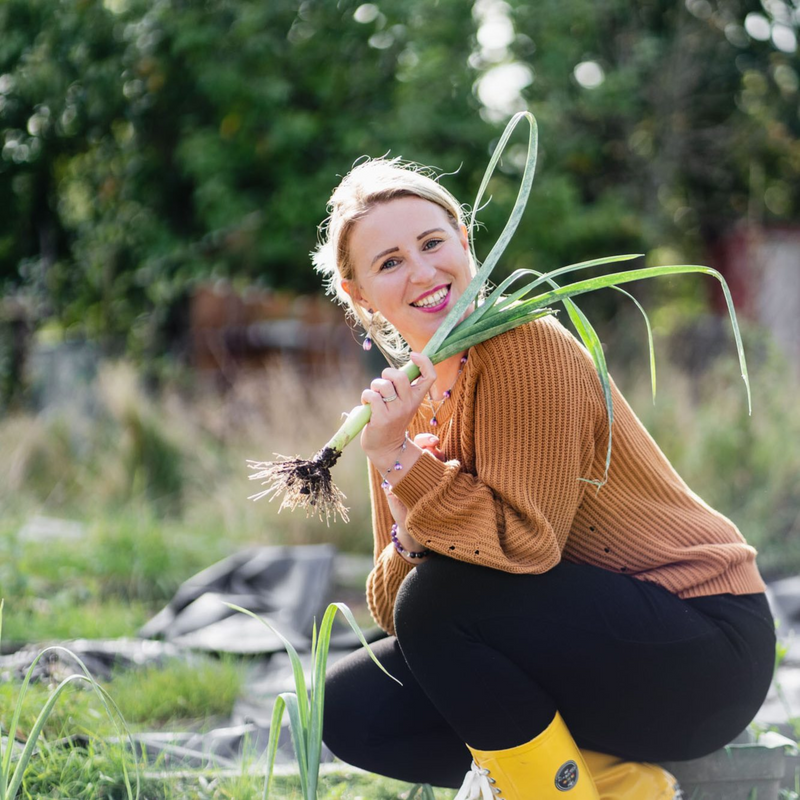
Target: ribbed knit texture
[{"x": 526, "y": 422}]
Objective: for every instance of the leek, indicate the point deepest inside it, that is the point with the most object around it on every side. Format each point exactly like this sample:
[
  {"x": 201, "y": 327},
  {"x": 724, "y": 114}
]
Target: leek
[{"x": 307, "y": 483}]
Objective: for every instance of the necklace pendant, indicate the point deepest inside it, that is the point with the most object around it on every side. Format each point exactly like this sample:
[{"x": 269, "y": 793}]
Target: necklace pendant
[{"x": 434, "y": 422}]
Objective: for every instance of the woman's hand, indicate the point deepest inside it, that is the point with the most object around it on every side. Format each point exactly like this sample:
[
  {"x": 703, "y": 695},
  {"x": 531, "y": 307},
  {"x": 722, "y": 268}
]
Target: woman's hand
[{"x": 394, "y": 401}]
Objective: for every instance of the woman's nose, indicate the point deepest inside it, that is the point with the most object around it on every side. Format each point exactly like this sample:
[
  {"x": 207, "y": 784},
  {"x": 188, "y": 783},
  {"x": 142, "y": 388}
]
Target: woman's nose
[{"x": 421, "y": 270}]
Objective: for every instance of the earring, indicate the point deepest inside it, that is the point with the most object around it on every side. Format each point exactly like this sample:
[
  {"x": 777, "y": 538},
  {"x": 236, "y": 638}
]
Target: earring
[{"x": 367, "y": 343}]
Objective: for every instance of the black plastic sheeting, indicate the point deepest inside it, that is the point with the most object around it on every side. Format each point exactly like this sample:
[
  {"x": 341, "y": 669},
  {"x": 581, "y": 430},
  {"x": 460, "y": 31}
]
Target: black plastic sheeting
[
  {"x": 102, "y": 657},
  {"x": 288, "y": 586}
]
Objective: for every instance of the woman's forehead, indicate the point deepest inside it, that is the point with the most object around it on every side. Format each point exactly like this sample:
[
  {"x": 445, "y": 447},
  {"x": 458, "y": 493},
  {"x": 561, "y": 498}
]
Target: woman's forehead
[{"x": 400, "y": 215}]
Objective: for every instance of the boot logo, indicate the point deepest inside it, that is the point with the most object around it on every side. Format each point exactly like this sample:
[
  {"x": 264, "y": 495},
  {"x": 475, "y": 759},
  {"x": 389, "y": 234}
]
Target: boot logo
[{"x": 567, "y": 776}]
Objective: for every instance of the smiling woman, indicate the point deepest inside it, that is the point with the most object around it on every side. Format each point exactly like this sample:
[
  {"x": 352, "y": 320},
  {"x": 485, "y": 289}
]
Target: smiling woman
[
  {"x": 555, "y": 622},
  {"x": 418, "y": 278},
  {"x": 366, "y": 192}
]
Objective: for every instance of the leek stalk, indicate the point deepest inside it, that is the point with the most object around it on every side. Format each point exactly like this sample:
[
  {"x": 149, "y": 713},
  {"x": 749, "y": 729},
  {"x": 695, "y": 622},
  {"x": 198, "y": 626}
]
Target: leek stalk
[{"x": 308, "y": 483}]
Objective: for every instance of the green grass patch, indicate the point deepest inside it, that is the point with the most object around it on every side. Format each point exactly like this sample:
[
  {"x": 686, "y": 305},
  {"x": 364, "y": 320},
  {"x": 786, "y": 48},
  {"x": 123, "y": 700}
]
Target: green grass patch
[
  {"x": 151, "y": 697},
  {"x": 68, "y": 614},
  {"x": 342, "y": 785},
  {"x": 179, "y": 691}
]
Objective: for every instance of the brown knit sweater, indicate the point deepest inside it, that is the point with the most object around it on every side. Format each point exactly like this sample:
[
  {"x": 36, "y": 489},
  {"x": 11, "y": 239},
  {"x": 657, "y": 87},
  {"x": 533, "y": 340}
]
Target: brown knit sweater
[{"x": 526, "y": 421}]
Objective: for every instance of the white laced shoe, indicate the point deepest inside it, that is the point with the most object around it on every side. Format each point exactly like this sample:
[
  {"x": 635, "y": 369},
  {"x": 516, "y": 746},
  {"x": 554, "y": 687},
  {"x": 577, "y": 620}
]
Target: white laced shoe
[{"x": 477, "y": 785}]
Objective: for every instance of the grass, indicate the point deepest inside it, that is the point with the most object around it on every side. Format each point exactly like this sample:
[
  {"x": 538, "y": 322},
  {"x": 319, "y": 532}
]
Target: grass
[
  {"x": 140, "y": 544},
  {"x": 176, "y": 694},
  {"x": 80, "y": 773}
]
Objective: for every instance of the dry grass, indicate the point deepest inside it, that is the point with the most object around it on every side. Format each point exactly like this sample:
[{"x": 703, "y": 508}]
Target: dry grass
[{"x": 183, "y": 454}]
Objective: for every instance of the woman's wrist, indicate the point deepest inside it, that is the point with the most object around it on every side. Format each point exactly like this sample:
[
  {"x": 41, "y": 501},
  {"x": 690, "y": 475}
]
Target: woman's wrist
[
  {"x": 403, "y": 549},
  {"x": 394, "y": 463}
]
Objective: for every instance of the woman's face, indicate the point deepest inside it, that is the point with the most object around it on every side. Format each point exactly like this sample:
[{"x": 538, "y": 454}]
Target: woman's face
[{"x": 410, "y": 264}]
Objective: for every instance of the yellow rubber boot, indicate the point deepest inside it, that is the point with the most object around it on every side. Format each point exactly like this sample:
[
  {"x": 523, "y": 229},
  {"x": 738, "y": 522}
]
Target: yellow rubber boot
[
  {"x": 549, "y": 766},
  {"x": 617, "y": 779}
]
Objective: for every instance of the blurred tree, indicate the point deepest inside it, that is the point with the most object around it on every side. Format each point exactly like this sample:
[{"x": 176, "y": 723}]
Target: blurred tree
[
  {"x": 148, "y": 144},
  {"x": 685, "y": 112}
]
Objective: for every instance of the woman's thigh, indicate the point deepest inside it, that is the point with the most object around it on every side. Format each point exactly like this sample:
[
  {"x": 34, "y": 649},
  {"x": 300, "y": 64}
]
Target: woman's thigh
[
  {"x": 633, "y": 669},
  {"x": 373, "y": 722}
]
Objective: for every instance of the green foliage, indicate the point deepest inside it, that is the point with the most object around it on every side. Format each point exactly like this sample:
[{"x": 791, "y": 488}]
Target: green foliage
[
  {"x": 14, "y": 765},
  {"x": 78, "y": 772},
  {"x": 148, "y": 145},
  {"x": 306, "y": 705},
  {"x": 175, "y": 141}
]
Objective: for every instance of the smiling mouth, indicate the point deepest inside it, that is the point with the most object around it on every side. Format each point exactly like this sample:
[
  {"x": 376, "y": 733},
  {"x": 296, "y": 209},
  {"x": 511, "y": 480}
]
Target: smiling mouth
[{"x": 433, "y": 300}]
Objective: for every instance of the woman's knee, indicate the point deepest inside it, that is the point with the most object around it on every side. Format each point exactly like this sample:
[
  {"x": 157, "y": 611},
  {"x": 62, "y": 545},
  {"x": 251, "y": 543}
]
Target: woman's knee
[{"x": 434, "y": 595}]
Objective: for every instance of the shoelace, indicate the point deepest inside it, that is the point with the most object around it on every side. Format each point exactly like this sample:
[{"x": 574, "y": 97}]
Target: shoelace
[{"x": 477, "y": 785}]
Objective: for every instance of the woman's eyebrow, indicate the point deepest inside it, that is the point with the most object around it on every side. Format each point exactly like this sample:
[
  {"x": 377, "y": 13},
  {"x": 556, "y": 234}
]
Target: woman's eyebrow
[
  {"x": 385, "y": 253},
  {"x": 395, "y": 249},
  {"x": 432, "y": 230}
]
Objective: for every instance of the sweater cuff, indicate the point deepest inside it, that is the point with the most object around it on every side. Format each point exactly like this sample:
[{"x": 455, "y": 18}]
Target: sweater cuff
[{"x": 425, "y": 474}]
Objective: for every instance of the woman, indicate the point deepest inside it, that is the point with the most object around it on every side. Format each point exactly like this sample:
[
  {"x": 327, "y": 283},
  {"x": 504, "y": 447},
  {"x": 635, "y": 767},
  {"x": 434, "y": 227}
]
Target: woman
[{"x": 558, "y": 636}]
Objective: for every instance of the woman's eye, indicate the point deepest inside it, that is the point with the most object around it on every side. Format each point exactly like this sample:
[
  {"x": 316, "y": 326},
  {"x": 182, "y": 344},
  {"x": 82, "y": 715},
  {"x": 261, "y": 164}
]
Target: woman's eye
[
  {"x": 389, "y": 263},
  {"x": 431, "y": 243}
]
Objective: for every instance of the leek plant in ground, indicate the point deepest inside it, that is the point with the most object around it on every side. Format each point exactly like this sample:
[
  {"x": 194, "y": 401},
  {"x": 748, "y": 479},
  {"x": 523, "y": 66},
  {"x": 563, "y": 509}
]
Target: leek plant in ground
[
  {"x": 308, "y": 484},
  {"x": 306, "y": 704},
  {"x": 12, "y": 772}
]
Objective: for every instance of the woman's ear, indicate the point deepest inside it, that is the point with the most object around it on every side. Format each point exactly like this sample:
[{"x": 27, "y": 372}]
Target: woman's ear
[
  {"x": 464, "y": 236},
  {"x": 351, "y": 288}
]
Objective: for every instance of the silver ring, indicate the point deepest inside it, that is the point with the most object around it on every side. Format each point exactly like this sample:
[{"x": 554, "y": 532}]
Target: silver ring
[{"x": 389, "y": 399}]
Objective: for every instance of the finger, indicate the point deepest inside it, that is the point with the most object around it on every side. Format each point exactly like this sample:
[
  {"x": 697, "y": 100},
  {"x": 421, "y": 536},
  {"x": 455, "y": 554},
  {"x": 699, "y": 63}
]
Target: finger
[
  {"x": 427, "y": 374},
  {"x": 435, "y": 451},
  {"x": 399, "y": 381},
  {"x": 384, "y": 388},
  {"x": 375, "y": 400},
  {"x": 426, "y": 440}
]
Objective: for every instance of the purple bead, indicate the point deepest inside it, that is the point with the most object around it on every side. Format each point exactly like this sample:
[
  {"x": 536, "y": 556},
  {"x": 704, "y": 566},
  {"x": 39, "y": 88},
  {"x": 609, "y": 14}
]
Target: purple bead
[
  {"x": 367, "y": 345},
  {"x": 398, "y": 465},
  {"x": 463, "y": 359},
  {"x": 446, "y": 395},
  {"x": 434, "y": 422},
  {"x": 385, "y": 484}
]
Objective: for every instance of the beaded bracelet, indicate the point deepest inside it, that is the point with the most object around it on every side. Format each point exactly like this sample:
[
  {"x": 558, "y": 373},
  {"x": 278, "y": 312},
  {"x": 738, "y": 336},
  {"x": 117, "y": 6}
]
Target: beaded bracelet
[
  {"x": 403, "y": 552},
  {"x": 385, "y": 485}
]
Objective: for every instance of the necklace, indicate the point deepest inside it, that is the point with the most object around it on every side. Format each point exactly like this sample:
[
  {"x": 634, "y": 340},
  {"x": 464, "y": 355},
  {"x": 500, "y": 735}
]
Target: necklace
[{"x": 446, "y": 395}]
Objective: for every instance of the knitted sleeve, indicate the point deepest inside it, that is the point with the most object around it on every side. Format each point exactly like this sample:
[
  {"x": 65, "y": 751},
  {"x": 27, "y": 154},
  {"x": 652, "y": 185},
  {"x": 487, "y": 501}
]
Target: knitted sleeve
[
  {"x": 390, "y": 568},
  {"x": 530, "y": 433}
]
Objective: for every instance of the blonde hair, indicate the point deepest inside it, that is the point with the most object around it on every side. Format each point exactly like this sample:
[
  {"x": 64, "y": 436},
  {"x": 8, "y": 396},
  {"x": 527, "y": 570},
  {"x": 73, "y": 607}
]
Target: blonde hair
[{"x": 368, "y": 184}]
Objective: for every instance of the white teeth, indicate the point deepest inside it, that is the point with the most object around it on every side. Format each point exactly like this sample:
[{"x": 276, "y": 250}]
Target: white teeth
[{"x": 432, "y": 299}]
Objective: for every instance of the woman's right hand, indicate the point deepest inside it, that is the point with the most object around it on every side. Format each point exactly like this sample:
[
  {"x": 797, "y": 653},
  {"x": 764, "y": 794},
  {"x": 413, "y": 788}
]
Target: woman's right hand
[{"x": 394, "y": 400}]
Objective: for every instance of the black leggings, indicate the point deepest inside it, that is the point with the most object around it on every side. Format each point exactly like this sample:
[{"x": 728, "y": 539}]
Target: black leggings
[{"x": 487, "y": 657}]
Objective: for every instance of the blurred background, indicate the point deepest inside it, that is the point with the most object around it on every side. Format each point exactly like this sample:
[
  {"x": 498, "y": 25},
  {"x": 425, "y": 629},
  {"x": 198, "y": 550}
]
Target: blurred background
[{"x": 164, "y": 167}]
